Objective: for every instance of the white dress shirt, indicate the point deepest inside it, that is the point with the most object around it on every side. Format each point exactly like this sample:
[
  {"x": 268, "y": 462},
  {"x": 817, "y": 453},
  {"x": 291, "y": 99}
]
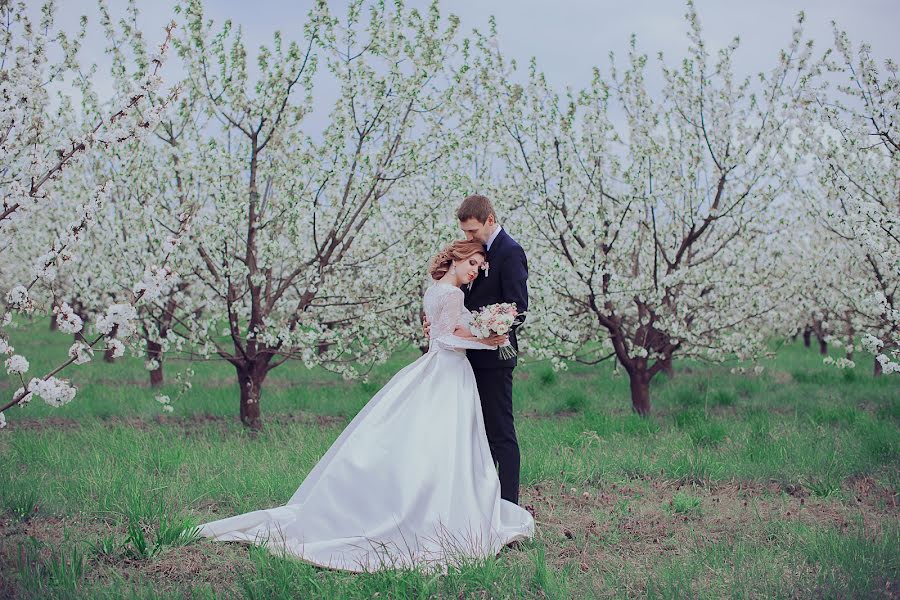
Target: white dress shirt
[{"x": 493, "y": 237}]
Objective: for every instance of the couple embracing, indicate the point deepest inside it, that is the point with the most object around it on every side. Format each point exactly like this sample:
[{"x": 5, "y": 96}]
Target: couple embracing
[{"x": 412, "y": 481}]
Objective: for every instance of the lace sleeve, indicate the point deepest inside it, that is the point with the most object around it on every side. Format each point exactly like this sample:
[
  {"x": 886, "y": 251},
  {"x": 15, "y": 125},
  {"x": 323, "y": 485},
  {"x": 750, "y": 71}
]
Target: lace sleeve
[{"x": 452, "y": 313}]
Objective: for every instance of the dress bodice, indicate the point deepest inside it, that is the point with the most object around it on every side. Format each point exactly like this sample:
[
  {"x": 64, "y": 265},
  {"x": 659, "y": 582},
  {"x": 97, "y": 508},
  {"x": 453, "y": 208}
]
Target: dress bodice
[{"x": 445, "y": 310}]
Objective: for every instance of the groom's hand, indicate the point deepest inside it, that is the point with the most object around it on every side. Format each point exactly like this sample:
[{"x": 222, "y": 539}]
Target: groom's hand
[{"x": 426, "y": 326}]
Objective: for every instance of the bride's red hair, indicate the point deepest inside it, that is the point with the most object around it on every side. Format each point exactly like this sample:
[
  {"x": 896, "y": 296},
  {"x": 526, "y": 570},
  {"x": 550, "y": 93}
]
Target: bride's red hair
[{"x": 458, "y": 250}]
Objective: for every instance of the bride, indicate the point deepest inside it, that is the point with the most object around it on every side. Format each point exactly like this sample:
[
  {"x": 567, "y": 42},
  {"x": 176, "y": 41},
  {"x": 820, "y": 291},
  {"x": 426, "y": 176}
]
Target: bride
[{"x": 410, "y": 483}]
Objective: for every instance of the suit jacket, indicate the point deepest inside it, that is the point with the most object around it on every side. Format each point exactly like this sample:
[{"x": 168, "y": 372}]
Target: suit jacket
[{"x": 506, "y": 281}]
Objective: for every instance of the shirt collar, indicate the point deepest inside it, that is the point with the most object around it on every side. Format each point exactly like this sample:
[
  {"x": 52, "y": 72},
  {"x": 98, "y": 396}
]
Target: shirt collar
[{"x": 493, "y": 237}]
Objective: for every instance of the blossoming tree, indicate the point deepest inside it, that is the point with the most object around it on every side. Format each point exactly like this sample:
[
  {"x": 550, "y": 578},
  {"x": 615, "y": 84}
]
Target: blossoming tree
[
  {"x": 854, "y": 136},
  {"x": 652, "y": 236},
  {"x": 311, "y": 249},
  {"x": 38, "y": 146},
  {"x": 143, "y": 210}
]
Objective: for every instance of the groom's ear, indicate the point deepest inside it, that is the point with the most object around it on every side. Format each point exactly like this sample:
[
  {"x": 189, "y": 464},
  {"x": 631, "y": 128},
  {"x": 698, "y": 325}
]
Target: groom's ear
[{"x": 490, "y": 220}]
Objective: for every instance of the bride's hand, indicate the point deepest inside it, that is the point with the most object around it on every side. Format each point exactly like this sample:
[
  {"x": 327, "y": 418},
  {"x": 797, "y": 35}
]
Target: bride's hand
[{"x": 495, "y": 340}]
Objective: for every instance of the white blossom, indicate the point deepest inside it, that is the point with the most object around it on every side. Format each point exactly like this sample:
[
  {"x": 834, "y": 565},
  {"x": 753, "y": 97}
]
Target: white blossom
[
  {"x": 116, "y": 346},
  {"x": 55, "y": 392},
  {"x": 155, "y": 283},
  {"x": 67, "y": 320},
  {"x": 18, "y": 299},
  {"x": 25, "y": 397},
  {"x": 81, "y": 353},
  {"x": 166, "y": 402},
  {"x": 120, "y": 316},
  {"x": 16, "y": 364}
]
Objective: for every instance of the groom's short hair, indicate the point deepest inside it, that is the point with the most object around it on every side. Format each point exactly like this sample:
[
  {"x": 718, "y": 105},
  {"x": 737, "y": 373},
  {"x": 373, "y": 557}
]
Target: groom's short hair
[{"x": 475, "y": 207}]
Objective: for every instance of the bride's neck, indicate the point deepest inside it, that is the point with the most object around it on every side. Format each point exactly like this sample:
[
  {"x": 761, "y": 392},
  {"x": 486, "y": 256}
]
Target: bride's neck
[{"x": 449, "y": 279}]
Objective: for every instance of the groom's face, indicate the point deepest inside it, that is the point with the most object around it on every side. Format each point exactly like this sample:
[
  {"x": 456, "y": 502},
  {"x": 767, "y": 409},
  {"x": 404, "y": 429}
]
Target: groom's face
[{"x": 475, "y": 230}]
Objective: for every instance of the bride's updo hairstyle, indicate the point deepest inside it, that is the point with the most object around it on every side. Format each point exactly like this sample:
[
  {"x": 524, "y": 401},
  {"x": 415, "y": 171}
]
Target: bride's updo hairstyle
[{"x": 458, "y": 250}]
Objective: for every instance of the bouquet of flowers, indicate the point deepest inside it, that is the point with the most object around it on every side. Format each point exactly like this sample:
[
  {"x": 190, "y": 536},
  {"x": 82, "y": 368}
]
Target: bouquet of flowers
[{"x": 496, "y": 319}]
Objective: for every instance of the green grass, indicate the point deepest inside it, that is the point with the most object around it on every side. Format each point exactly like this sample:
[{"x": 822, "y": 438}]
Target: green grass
[
  {"x": 686, "y": 504},
  {"x": 772, "y": 485}
]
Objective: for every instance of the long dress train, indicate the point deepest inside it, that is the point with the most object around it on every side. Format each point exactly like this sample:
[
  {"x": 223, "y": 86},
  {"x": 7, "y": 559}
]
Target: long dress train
[{"x": 409, "y": 483}]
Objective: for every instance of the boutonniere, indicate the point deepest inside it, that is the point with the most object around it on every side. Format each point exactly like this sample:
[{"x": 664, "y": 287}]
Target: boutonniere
[{"x": 486, "y": 267}]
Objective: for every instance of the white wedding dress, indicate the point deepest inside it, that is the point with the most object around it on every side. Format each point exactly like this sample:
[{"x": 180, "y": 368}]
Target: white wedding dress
[{"x": 409, "y": 483}]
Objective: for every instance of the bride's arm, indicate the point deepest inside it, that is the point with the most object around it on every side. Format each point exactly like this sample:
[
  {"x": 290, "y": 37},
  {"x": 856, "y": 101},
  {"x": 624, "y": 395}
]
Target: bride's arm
[
  {"x": 461, "y": 337},
  {"x": 465, "y": 333}
]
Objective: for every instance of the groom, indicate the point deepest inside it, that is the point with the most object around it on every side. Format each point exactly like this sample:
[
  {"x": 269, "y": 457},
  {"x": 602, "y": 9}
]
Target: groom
[{"x": 505, "y": 280}]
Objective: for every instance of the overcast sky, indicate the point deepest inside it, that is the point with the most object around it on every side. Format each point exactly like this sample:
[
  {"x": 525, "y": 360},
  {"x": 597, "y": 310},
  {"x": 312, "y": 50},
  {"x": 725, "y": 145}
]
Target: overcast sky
[{"x": 567, "y": 36}]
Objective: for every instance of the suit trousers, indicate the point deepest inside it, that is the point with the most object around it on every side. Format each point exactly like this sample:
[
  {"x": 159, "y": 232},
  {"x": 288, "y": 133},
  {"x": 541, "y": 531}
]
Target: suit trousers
[{"x": 495, "y": 390}]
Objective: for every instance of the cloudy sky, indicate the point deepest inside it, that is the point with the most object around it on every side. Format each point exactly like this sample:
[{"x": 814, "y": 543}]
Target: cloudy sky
[{"x": 567, "y": 36}]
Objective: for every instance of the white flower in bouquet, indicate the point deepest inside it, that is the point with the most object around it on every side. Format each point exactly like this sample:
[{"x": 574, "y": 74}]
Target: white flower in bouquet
[
  {"x": 496, "y": 319},
  {"x": 504, "y": 322}
]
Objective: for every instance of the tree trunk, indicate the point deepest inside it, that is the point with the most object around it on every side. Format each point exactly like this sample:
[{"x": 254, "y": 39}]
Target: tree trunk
[
  {"x": 251, "y": 379},
  {"x": 154, "y": 352},
  {"x": 53, "y": 325},
  {"x": 877, "y": 372},
  {"x": 848, "y": 330},
  {"x": 807, "y": 335},
  {"x": 108, "y": 355},
  {"x": 640, "y": 391},
  {"x": 323, "y": 346},
  {"x": 667, "y": 367},
  {"x": 76, "y": 307},
  {"x": 823, "y": 346}
]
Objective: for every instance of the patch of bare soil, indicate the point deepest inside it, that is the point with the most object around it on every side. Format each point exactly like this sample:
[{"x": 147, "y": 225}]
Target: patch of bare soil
[
  {"x": 184, "y": 567},
  {"x": 781, "y": 377},
  {"x": 620, "y": 532},
  {"x": 870, "y": 493},
  {"x": 627, "y": 530},
  {"x": 188, "y": 423},
  {"x": 174, "y": 568},
  {"x": 533, "y": 414},
  {"x": 275, "y": 383},
  {"x": 220, "y": 382}
]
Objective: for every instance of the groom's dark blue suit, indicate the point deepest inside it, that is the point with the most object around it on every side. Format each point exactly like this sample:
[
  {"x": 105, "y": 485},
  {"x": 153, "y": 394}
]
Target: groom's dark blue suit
[{"x": 505, "y": 281}]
